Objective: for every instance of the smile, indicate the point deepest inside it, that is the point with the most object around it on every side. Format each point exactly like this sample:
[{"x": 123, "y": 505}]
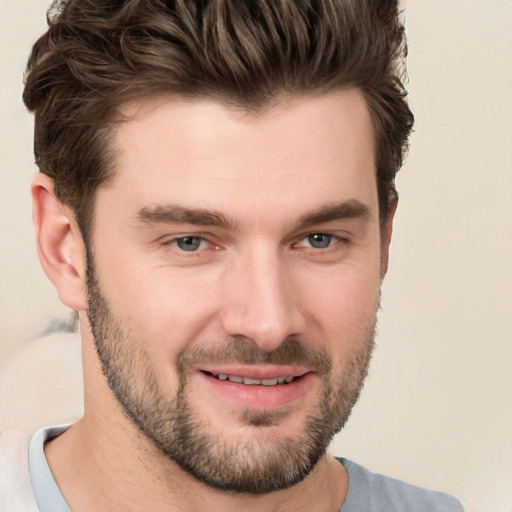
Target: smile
[
  {"x": 256, "y": 387},
  {"x": 276, "y": 381}
]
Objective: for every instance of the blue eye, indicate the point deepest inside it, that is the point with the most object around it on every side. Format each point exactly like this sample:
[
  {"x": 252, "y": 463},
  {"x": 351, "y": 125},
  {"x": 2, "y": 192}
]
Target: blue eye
[
  {"x": 190, "y": 243},
  {"x": 319, "y": 240}
]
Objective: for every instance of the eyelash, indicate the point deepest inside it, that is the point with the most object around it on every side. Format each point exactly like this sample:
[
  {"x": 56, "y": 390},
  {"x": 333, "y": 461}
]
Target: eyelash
[
  {"x": 175, "y": 242},
  {"x": 335, "y": 241}
]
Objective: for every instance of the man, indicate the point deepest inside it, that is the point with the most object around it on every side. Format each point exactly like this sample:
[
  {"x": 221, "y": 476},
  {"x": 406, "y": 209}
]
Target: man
[{"x": 216, "y": 201}]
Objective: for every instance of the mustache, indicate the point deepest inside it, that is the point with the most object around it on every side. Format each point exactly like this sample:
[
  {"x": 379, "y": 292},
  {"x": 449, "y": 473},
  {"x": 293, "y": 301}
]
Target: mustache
[{"x": 244, "y": 351}]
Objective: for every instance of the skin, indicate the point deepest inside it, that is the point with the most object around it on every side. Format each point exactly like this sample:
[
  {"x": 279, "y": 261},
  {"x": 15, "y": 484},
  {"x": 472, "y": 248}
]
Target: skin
[{"x": 257, "y": 277}]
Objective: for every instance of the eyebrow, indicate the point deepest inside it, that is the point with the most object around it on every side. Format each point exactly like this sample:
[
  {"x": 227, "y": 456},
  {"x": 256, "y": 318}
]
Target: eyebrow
[
  {"x": 176, "y": 214},
  {"x": 352, "y": 209}
]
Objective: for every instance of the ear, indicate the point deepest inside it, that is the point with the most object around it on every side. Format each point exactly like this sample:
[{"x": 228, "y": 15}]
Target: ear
[
  {"x": 59, "y": 243},
  {"x": 387, "y": 231}
]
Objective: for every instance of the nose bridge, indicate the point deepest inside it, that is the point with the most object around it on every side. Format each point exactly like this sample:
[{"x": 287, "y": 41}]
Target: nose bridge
[{"x": 261, "y": 304}]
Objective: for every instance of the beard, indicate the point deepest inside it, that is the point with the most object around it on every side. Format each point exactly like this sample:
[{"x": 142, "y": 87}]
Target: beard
[{"x": 257, "y": 463}]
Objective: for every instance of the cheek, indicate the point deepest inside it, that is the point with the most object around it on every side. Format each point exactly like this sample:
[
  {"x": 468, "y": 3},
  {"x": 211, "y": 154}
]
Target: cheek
[
  {"x": 354, "y": 293},
  {"x": 168, "y": 309},
  {"x": 342, "y": 306}
]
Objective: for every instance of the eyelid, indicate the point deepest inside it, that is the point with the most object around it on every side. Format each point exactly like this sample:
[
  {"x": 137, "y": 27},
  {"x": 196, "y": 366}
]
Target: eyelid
[
  {"x": 172, "y": 241},
  {"x": 343, "y": 237}
]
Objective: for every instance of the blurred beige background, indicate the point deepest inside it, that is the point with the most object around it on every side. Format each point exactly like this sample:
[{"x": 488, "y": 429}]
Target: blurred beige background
[{"x": 437, "y": 409}]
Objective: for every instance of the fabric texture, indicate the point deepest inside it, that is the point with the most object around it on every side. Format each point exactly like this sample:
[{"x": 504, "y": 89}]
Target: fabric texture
[
  {"x": 372, "y": 492},
  {"x": 27, "y": 484},
  {"x": 46, "y": 492},
  {"x": 15, "y": 490}
]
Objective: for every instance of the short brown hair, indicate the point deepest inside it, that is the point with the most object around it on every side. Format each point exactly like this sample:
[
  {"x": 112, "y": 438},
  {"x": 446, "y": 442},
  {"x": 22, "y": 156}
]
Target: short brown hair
[{"x": 98, "y": 55}]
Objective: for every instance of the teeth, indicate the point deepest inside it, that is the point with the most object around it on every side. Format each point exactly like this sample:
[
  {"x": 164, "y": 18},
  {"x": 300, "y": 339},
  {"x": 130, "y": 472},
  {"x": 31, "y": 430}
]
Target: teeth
[
  {"x": 255, "y": 382},
  {"x": 252, "y": 382}
]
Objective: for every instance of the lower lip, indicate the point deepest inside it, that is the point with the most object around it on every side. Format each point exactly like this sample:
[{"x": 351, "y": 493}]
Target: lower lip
[{"x": 259, "y": 397}]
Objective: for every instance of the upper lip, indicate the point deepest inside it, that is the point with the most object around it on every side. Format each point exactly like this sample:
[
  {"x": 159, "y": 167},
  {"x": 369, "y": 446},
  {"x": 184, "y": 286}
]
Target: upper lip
[{"x": 259, "y": 372}]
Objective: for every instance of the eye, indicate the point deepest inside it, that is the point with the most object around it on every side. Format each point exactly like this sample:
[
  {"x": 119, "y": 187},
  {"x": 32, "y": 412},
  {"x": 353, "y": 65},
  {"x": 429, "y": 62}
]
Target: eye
[
  {"x": 318, "y": 240},
  {"x": 190, "y": 243}
]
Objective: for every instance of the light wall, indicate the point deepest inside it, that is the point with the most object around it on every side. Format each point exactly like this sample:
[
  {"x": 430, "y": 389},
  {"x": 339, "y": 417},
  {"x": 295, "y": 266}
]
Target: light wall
[{"x": 436, "y": 410}]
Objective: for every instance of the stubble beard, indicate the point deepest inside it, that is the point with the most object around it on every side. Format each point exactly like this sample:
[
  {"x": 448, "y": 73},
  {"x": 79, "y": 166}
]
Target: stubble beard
[{"x": 252, "y": 464}]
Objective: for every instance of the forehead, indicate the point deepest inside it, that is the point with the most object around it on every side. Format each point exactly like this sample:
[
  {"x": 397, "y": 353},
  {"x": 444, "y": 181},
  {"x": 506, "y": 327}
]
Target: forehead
[{"x": 180, "y": 151}]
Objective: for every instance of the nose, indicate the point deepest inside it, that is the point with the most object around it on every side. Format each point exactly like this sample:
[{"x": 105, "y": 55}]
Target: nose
[{"x": 260, "y": 302}]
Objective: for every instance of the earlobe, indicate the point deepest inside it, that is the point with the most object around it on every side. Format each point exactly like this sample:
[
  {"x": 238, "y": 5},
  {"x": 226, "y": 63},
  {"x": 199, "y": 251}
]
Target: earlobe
[
  {"x": 59, "y": 243},
  {"x": 386, "y": 234}
]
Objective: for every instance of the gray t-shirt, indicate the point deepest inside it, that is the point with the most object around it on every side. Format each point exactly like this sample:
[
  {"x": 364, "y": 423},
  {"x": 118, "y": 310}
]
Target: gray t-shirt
[
  {"x": 46, "y": 492},
  {"x": 367, "y": 491}
]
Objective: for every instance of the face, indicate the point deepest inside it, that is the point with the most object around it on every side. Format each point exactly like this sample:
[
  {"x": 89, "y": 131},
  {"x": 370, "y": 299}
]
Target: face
[{"x": 233, "y": 282}]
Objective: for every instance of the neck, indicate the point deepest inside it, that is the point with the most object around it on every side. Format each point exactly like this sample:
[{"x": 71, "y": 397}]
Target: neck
[{"x": 125, "y": 472}]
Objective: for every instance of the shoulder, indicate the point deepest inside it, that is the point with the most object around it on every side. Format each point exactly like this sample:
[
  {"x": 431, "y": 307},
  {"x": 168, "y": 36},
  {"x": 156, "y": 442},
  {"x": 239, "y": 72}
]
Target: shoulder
[
  {"x": 15, "y": 488},
  {"x": 378, "y": 493}
]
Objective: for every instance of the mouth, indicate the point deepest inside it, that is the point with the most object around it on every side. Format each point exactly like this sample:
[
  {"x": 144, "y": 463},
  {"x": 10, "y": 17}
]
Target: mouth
[
  {"x": 249, "y": 381},
  {"x": 257, "y": 388}
]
